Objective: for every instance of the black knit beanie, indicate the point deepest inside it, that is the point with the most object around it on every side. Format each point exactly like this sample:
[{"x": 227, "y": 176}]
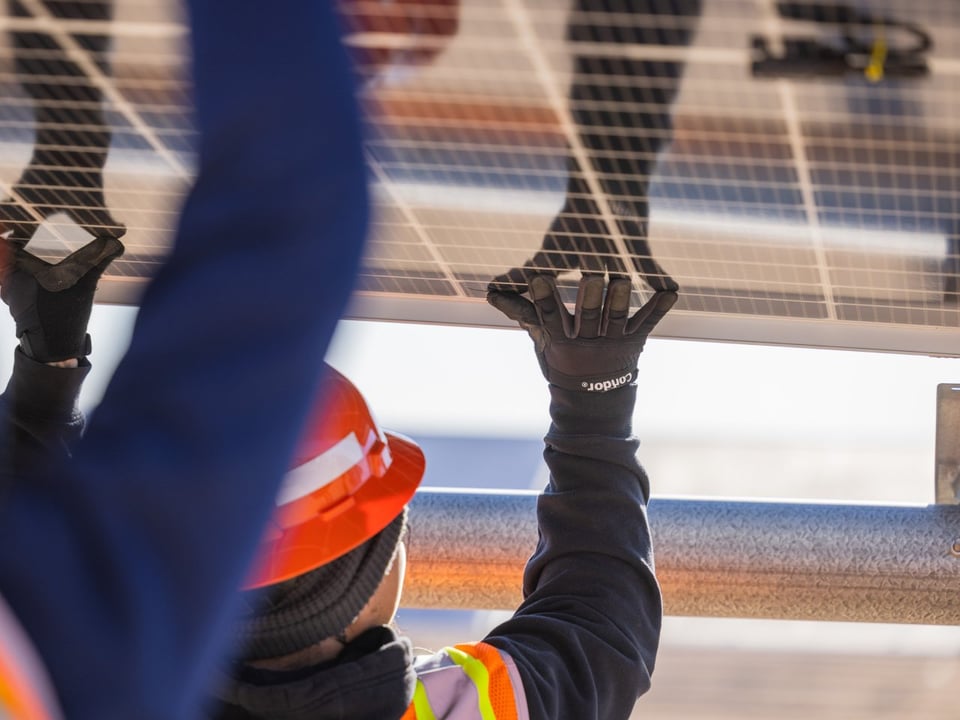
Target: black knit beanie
[{"x": 292, "y": 615}]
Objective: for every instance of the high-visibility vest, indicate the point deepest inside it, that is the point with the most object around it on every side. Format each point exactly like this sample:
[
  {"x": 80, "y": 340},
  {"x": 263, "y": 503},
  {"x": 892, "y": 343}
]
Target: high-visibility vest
[
  {"x": 474, "y": 681},
  {"x": 25, "y": 690}
]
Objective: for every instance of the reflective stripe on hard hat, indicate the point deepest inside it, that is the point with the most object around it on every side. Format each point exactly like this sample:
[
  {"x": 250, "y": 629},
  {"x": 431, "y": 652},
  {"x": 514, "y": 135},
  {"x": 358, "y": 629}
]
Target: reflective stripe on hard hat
[
  {"x": 321, "y": 470},
  {"x": 25, "y": 691},
  {"x": 349, "y": 480},
  {"x": 468, "y": 682}
]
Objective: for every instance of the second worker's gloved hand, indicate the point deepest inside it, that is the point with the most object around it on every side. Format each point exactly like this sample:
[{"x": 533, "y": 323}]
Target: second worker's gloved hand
[
  {"x": 51, "y": 302},
  {"x": 596, "y": 348}
]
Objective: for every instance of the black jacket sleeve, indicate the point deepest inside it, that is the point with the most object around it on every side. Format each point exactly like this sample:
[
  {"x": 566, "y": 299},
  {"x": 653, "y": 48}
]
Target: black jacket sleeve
[
  {"x": 41, "y": 416},
  {"x": 585, "y": 638}
]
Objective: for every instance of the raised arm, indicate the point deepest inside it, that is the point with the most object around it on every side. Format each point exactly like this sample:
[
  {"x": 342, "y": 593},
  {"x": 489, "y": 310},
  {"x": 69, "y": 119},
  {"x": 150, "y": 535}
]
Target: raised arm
[
  {"x": 585, "y": 638},
  {"x": 50, "y": 304}
]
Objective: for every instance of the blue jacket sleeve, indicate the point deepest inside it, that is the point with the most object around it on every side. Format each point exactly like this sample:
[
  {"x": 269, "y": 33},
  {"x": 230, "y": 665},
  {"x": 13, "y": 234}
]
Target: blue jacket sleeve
[
  {"x": 138, "y": 543},
  {"x": 586, "y": 635}
]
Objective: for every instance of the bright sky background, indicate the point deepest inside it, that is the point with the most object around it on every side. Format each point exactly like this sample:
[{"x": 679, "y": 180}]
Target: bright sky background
[
  {"x": 715, "y": 418},
  {"x": 454, "y": 380},
  {"x": 440, "y": 379}
]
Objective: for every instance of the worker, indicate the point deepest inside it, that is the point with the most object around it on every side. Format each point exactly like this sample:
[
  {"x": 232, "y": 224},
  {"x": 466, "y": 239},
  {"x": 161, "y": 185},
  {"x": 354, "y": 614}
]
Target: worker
[
  {"x": 316, "y": 641},
  {"x": 120, "y": 559}
]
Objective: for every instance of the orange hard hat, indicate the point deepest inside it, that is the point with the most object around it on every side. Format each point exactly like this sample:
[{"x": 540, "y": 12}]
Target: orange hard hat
[{"x": 349, "y": 480}]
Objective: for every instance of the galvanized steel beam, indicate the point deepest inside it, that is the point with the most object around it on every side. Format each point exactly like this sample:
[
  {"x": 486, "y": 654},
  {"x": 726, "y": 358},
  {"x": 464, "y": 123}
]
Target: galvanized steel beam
[{"x": 802, "y": 561}]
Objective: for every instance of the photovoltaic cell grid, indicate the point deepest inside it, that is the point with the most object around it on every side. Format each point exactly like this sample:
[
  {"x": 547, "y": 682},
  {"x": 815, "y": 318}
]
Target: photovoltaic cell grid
[
  {"x": 68, "y": 73},
  {"x": 805, "y": 203}
]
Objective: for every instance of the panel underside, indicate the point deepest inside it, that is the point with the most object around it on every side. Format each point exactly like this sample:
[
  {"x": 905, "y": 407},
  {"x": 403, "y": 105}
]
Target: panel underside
[{"x": 794, "y": 199}]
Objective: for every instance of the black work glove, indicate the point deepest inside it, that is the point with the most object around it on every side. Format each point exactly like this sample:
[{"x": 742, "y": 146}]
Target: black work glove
[
  {"x": 591, "y": 255},
  {"x": 51, "y": 303},
  {"x": 595, "y": 349}
]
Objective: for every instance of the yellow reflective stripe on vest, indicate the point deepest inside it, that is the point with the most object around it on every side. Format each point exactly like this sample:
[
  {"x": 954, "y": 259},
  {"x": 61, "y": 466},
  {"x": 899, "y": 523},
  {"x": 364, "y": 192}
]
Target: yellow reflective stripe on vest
[
  {"x": 421, "y": 703},
  {"x": 504, "y": 687},
  {"x": 467, "y": 682},
  {"x": 477, "y": 672}
]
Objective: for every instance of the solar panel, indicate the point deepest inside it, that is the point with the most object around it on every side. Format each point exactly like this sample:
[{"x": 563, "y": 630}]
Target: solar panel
[{"x": 792, "y": 166}]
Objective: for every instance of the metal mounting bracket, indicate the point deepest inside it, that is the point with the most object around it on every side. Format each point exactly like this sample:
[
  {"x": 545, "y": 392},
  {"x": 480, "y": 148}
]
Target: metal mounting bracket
[{"x": 948, "y": 444}]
